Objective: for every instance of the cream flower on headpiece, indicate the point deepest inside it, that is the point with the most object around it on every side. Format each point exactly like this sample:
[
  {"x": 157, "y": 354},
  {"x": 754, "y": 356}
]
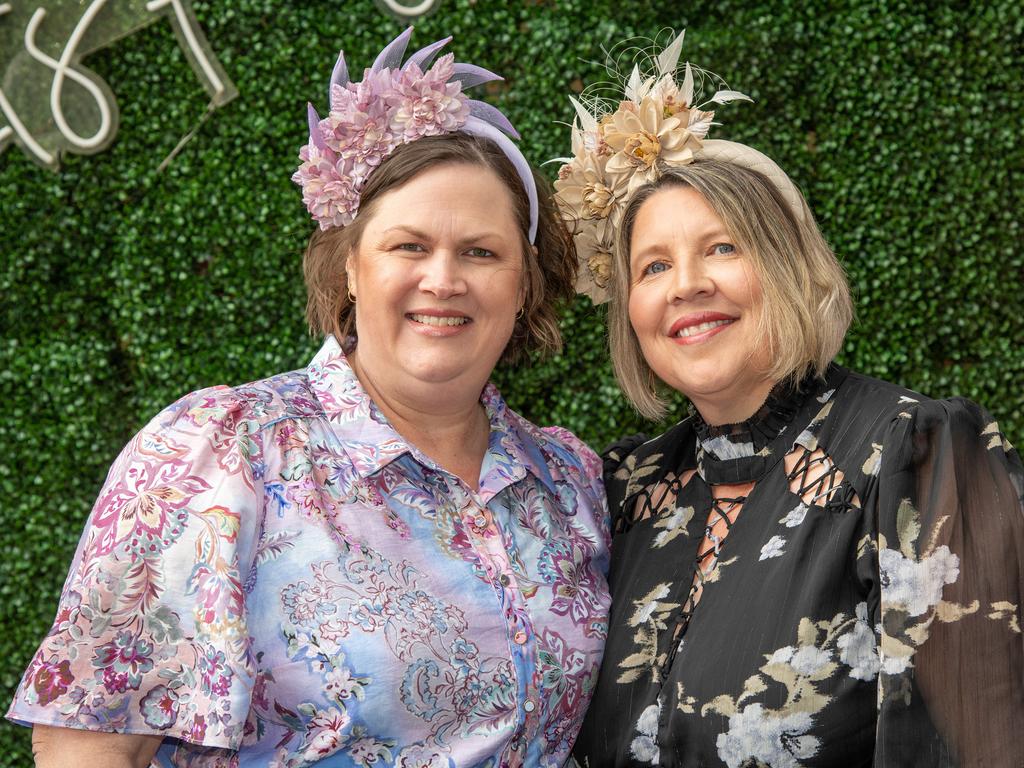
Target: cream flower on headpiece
[
  {"x": 595, "y": 274},
  {"x": 640, "y": 138},
  {"x": 585, "y": 187},
  {"x": 620, "y": 146}
]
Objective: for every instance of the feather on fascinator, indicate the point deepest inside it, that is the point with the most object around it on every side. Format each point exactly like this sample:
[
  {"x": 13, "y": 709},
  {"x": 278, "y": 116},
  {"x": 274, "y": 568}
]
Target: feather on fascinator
[
  {"x": 395, "y": 103},
  {"x": 621, "y": 143}
]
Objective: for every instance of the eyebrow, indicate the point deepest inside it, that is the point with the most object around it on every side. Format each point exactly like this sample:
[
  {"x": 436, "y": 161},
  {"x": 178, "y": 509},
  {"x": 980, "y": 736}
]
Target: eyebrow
[
  {"x": 420, "y": 235},
  {"x": 711, "y": 233}
]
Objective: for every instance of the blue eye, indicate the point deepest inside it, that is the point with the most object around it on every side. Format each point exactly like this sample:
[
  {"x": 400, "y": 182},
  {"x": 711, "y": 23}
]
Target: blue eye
[
  {"x": 655, "y": 268},
  {"x": 724, "y": 249}
]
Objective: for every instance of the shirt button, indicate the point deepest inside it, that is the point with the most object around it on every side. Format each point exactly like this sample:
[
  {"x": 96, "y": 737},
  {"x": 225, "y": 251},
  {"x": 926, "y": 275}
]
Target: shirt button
[
  {"x": 480, "y": 521},
  {"x": 504, "y": 579},
  {"x": 529, "y": 706},
  {"x": 519, "y": 637}
]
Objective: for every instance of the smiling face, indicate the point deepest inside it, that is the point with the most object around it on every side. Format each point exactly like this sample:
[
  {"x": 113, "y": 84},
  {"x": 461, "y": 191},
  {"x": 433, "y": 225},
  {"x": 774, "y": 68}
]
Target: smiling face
[
  {"x": 437, "y": 279},
  {"x": 695, "y": 305}
]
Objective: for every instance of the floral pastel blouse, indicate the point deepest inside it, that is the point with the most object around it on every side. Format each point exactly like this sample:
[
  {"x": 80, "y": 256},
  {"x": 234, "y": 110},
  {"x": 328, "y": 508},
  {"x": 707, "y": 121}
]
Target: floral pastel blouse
[
  {"x": 272, "y": 577},
  {"x": 858, "y": 602}
]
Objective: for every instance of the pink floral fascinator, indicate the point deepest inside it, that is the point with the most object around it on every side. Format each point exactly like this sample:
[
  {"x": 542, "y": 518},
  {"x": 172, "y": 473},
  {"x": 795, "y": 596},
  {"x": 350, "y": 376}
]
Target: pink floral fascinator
[
  {"x": 625, "y": 139},
  {"x": 395, "y": 103}
]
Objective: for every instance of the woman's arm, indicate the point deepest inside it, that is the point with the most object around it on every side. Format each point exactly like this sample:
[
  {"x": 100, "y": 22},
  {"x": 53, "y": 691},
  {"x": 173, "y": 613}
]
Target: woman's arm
[
  {"x": 951, "y": 570},
  {"x": 55, "y": 747}
]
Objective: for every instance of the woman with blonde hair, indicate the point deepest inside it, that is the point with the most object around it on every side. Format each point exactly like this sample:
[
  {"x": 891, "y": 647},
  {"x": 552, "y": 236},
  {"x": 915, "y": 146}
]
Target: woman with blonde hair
[{"x": 814, "y": 568}]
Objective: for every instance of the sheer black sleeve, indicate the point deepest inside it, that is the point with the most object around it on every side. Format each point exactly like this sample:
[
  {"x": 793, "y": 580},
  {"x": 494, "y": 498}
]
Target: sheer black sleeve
[{"x": 950, "y": 568}]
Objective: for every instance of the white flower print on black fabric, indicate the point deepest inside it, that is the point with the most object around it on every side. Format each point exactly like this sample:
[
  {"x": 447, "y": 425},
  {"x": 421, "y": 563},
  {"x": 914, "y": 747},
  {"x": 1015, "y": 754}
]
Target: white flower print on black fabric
[
  {"x": 673, "y": 525},
  {"x": 649, "y": 618},
  {"x": 644, "y": 747},
  {"x": 795, "y": 516},
  {"x": 916, "y": 586},
  {"x": 649, "y": 605},
  {"x": 912, "y": 579},
  {"x": 858, "y": 648},
  {"x": 760, "y": 737},
  {"x": 874, "y": 461},
  {"x": 773, "y": 548},
  {"x": 805, "y": 659},
  {"x": 725, "y": 449}
]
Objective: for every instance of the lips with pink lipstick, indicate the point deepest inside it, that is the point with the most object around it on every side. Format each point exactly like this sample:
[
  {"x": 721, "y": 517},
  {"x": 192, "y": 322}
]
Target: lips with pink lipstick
[
  {"x": 699, "y": 327},
  {"x": 438, "y": 322}
]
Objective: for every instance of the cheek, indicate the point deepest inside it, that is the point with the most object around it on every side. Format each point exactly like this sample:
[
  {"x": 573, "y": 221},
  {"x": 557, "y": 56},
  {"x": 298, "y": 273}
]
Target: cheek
[
  {"x": 641, "y": 313},
  {"x": 504, "y": 288},
  {"x": 752, "y": 286}
]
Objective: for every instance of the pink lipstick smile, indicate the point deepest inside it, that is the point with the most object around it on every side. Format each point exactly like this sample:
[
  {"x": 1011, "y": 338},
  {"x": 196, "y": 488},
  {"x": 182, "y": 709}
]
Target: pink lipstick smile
[{"x": 699, "y": 327}]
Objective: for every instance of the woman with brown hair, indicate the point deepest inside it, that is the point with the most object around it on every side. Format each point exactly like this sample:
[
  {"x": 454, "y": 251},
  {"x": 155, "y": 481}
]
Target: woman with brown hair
[
  {"x": 371, "y": 560},
  {"x": 814, "y": 568}
]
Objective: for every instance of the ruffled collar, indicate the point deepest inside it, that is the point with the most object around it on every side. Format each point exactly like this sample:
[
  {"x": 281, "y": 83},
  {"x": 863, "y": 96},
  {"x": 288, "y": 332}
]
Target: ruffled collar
[{"x": 743, "y": 452}]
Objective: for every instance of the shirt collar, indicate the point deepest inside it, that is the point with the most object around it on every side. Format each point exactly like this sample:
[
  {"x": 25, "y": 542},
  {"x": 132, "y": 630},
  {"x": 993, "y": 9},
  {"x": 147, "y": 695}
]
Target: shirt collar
[{"x": 371, "y": 443}]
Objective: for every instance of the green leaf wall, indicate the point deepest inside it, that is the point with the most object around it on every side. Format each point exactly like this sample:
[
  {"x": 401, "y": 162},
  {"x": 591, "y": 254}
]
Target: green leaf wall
[{"x": 124, "y": 287}]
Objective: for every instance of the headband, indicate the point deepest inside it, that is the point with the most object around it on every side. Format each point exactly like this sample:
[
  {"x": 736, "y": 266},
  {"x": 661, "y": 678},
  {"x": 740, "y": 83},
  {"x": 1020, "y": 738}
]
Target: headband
[
  {"x": 621, "y": 144},
  {"x": 395, "y": 104}
]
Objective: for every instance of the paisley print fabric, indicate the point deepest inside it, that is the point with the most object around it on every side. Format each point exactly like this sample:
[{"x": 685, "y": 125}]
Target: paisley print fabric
[
  {"x": 862, "y": 606},
  {"x": 271, "y": 576}
]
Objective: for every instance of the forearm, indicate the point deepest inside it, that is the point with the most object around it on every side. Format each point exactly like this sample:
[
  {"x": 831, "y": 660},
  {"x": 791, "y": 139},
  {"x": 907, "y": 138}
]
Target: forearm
[{"x": 71, "y": 748}]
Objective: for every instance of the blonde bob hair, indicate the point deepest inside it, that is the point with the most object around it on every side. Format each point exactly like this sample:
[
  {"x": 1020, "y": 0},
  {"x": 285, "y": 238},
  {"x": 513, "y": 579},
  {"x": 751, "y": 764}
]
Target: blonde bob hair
[
  {"x": 806, "y": 307},
  {"x": 549, "y": 267}
]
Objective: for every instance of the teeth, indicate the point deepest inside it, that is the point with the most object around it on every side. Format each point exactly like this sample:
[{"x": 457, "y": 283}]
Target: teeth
[
  {"x": 693, "y": 330},
  {"x": 439, "y": 321}
]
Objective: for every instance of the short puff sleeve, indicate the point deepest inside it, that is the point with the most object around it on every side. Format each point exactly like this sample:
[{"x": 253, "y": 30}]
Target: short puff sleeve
[
  {"x": 949, "y": 559},
  {"x": 150, "y": 635}
]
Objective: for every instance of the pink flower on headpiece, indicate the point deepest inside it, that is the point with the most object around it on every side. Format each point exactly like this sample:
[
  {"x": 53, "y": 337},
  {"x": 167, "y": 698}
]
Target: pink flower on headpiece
[
  {"x": 358, "y": 126},
  {"x": 393, "y": 104},
  {"x": 330, "y": 196},
  {"x": 426, "y": 104}
]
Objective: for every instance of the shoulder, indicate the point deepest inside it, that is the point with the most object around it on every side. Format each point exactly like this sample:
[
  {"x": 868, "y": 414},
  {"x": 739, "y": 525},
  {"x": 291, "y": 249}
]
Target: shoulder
[
  {"x": 878, "y": 395},
  {"x": 899, "y": 406},
  {"x": 622, "y": 457},
  {"x": 961, "y": 426},
  {"x": 867, "y": 409},
  {"x": 635, "y": 462},
  {"x": 561, "y": 450},
  {"x": 252, "y": 406},
  {"x": 910, "y": 429}
]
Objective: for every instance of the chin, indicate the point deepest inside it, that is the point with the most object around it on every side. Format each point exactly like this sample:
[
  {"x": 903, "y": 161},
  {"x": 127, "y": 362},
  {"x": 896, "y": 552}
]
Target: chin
[{"x": 441, "y": 371}]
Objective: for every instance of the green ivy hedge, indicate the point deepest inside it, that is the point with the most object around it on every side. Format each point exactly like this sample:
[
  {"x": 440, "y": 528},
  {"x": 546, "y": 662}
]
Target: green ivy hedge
[{"x": 125, "y": 287}]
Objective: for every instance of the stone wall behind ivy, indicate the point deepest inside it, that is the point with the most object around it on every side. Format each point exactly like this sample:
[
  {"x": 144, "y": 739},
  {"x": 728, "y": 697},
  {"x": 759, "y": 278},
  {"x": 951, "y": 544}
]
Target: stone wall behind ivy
[{"x": 124, "y": 287}]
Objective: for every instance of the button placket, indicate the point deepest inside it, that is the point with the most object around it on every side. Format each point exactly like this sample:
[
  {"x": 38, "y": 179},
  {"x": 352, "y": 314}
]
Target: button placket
[{"x": 496, "y": 563}]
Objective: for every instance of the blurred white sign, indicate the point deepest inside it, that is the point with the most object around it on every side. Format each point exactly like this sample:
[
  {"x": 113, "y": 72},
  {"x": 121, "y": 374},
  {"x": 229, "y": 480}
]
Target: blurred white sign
[
  {"x": 49, "y": 103},
  {"x": 406, "y": 10}
]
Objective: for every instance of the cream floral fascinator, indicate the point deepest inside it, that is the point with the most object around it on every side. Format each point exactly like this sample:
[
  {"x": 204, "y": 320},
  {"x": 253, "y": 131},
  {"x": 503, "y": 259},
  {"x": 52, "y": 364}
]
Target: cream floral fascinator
[{"x": 623, "y": 141}]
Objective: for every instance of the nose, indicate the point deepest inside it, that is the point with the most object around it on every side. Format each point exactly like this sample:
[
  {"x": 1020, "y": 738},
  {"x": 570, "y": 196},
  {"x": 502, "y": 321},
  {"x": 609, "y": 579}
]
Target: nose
[
  {"x": 442, "y": 275},
  {"x": 690, "y": 280}
]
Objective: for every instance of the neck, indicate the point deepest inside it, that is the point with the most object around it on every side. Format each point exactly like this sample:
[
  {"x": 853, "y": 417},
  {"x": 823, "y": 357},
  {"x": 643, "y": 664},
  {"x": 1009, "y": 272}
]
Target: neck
[
  {"x": 446, "y": 422},
  {"x": 732, "y": 407}
]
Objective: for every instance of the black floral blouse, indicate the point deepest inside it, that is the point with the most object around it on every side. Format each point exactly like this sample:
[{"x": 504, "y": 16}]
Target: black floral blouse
[{"x": 859, "y": 604}]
